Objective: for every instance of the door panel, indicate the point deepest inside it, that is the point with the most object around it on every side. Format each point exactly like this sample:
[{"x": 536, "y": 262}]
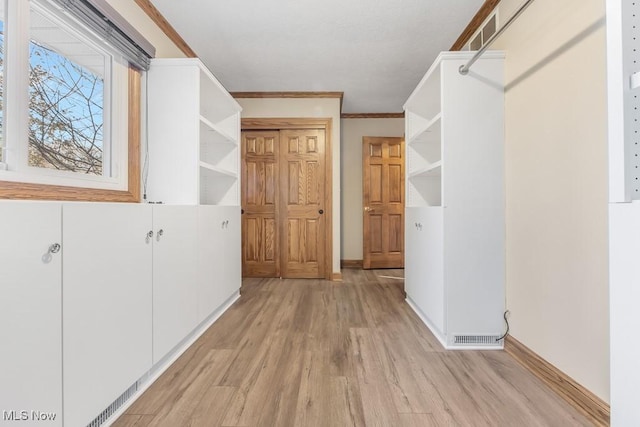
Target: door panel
[
  {"x": 175, "y": 289},
  {"x": 383, "y": 198},
  {"x": 107, "y": 298},
  {"x": 302, "y": 205},
  {"x": 31, "y": 295},
  {"x": 260, "y": 199}
]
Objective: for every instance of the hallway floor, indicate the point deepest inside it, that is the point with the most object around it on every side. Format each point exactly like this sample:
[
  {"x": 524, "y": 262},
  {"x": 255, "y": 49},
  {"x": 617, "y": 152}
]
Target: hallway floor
[{"x": 351, "y": 353}]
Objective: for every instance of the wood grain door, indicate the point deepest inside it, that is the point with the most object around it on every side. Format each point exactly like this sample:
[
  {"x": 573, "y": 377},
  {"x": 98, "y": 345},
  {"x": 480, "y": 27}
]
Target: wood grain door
[
  {"x": 383, "y": 199},
  {"x": 302, "y": 192},
  {"x": 260, "y": 197}
]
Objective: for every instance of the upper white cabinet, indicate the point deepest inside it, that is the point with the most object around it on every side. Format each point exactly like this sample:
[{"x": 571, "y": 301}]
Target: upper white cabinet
[
  {"x": 455, "y": 199},
  {"x": 193, "y": 136},
  {"x": 30, "y": 326}
]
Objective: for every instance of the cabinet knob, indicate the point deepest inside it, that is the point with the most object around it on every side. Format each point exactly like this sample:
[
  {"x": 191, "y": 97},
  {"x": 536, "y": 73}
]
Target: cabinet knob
[
  {"x": 321, "y": 211},
  {"x": 54, "y": 248},
  {"x": 241, "y": 211},
  {"x": 160, "y": 232},
  {"x": 150, "y": 234}
]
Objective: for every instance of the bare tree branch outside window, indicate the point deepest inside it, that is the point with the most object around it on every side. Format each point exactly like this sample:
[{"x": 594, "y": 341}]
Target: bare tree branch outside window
[{"x": 66, "y": 114}]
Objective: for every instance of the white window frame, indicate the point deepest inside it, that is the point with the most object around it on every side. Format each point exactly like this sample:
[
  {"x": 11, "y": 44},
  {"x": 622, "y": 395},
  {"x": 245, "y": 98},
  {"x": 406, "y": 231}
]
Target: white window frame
[{"x": 16, "y": 103}]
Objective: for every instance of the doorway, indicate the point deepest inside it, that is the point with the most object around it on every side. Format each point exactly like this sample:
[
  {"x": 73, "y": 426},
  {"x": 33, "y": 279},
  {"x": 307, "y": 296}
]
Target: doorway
[
  {"x": 286, "y": 198},
  {"x": 383, "y": 202}
]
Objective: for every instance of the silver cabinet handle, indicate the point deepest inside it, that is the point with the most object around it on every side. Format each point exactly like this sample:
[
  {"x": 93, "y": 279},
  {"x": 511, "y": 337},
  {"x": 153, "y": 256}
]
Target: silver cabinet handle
[
  {"x": 160, "y": 233},
  {"x": 150, "y": 234},
  {"x": 54, "y": 248}
]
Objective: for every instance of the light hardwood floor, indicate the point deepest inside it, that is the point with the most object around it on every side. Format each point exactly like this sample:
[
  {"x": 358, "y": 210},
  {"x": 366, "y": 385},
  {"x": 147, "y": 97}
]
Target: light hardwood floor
[{"x": 351, "y": 353}]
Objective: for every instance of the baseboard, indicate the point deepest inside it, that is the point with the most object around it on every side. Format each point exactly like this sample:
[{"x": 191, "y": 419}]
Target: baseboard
[
  {"x": 587, "y": 403},
  {"x": 351, "y": 263},
  {"x": 336, "y": 277},
  {"x": 159, "y": 368}
]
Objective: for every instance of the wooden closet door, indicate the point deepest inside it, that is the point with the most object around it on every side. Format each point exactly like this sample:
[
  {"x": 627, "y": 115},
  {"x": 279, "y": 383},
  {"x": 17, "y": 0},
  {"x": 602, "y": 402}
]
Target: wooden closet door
[
  {"x": 260, "y": 254},
  {"x": 302, "y": 192}
]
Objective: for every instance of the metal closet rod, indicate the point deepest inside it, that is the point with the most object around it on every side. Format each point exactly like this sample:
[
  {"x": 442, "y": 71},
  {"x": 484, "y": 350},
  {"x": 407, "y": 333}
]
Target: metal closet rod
[{"x": 464, "y": 69}]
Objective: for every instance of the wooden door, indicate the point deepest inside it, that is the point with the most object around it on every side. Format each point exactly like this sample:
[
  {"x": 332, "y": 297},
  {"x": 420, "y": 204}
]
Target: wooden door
[
  {"x": 260, "y": 197},
  {"x": 302, "y": 188},
  {"x": 383, "y": 199},
  {"x": 283, "y": 202}
]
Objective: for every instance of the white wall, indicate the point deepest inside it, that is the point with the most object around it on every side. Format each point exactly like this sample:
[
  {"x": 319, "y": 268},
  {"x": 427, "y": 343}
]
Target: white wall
[
  {"x": 165, "y": 48},
  {"x": 307, "y": 107},
  {"x": 556, "y": 185},
  {"x": 351, "y": 170}
]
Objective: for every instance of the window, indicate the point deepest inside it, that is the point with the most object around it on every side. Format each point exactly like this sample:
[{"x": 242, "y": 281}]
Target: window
[{"x": 65, "y": 117}]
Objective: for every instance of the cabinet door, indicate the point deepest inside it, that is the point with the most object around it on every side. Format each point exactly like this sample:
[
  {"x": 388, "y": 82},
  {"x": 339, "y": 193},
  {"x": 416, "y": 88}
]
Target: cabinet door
[
  {"x": 219, "y": 257},
  {"x": 31, "y": 295},
  {"x": 413, "y": 256},
  {"x": 233, "y": 255},
  {"x": 107, "y": 304},
  {"x": 175, "y": 299},
  {"x": 424, "y": 280}
]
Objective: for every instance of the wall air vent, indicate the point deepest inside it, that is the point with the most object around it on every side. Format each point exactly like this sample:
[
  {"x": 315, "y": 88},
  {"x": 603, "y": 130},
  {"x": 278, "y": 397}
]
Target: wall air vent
[
  {"x": 487, "y": 29},
  {"x": 477, "y": 340},
  {"x": 111, "y": 409}
]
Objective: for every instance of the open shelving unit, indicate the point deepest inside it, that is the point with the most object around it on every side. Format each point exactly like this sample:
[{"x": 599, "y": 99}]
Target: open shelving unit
[
  {"x": 194, "y": 133},
  {"x": 454, "y": 242}
]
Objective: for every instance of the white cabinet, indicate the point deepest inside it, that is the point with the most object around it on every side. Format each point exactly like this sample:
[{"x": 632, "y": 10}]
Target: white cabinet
[
  {"x": 424, "y": 264},
  {"x": 107, "y": 304},
  {"x": 31, "y": 298},
  {"x": 83, "y": 322},
  {"x": 194, "y": 131},
  {"x": 175, "y": 257},
  {"x": 455, "y": 200},
  {"x": 219, "y": 262}
]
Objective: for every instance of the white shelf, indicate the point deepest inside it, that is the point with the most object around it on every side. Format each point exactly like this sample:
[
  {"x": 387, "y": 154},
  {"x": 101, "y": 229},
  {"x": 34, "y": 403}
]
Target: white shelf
[
  {"x": 454, "y": 240},
  {"x": 635, "y": 80},
  {"x": 194, "y": 134},
  {"x": 210, "y": 133},
  {"x": 217, "y": 171},
  {"x": 428, "y": 131},
  {"x": 434, "y": 169}
]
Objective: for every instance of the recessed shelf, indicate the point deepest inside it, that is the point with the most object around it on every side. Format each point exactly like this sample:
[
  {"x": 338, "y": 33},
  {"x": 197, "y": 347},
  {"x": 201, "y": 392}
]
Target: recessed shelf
[
  {"x": 635, "y": 80},
  {"x": 428, "y": 132},
  {"x": 214, "y": 134},
  {"x": 209, "y": 168},
  {"x": 434, "y": 169}
]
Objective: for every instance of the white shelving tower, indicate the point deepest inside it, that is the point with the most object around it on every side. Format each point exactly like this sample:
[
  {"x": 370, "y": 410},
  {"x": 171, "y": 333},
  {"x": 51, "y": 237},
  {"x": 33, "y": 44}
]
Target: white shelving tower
[
  {"x": 194, "y": 132},
  {"x": 454, "y": 244},
  {"x": 623, "y": 75}
]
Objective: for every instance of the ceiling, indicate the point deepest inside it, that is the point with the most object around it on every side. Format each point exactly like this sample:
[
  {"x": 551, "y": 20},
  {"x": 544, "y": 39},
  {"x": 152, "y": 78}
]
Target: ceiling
[{"x": 375, "y": 51}]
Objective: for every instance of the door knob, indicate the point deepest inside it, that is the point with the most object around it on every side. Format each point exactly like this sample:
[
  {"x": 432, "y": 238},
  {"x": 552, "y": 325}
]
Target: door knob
[
  {"x": 368, "y": 209},
  {"x": 321, "y": 211}
]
